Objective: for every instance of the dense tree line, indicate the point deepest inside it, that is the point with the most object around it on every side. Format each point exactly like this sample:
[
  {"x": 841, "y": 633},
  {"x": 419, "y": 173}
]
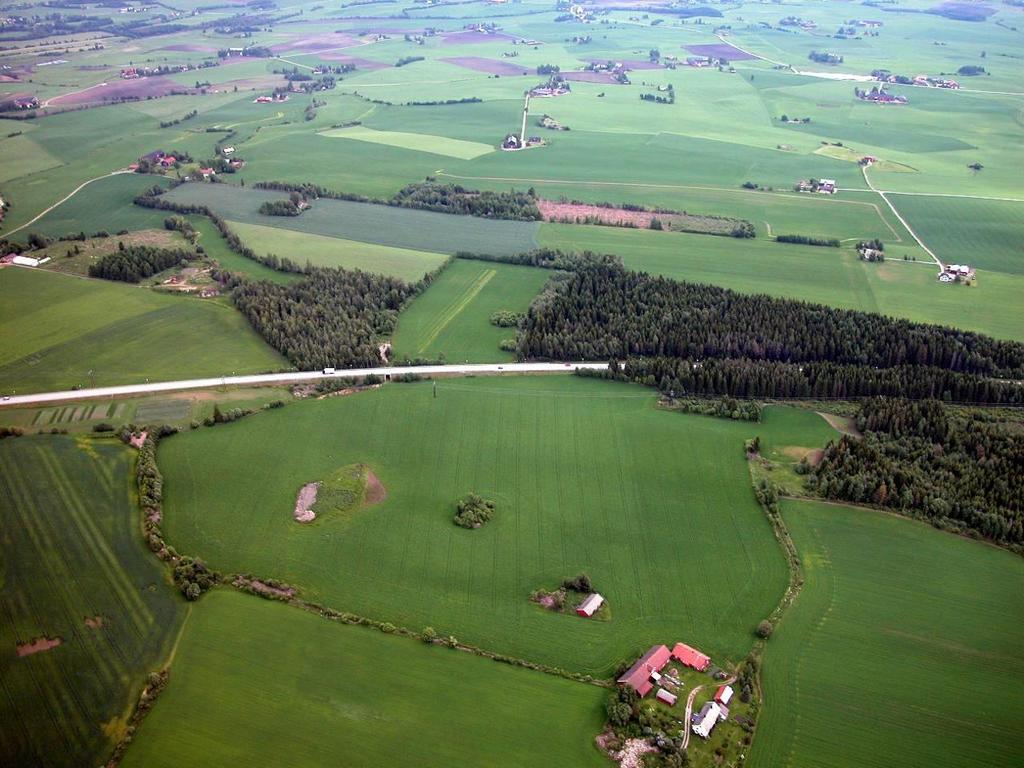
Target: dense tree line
[
  {"x": 606, "y": 311},
  {"x": 959, "y": 469},
  {"x": 136, "y": 262},
  {"x": 745, "y": 378},
  {"x": 546, "y": 258},
  {"x": 334, "y": 318},
  {"x": 279, "y": 208},
  {"x": 431, "y": 196},
  {"x": 454, "y": 198},
  {"x": 825, "y": 242}
]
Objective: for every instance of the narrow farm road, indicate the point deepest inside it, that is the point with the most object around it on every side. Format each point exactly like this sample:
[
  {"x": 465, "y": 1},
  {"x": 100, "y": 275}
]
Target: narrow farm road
[
  {"x": 67, "y": 197},
  {"x": 940, "y": 194},
  {"x": 689, "y": 708},
  {"x": 913, "y": 234},
  {"x": 297, "y": 378}
]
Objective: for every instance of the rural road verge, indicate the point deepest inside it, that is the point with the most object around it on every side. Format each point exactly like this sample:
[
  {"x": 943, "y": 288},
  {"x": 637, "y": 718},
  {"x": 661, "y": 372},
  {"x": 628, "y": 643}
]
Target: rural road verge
[{"x": 296, "y": 378}]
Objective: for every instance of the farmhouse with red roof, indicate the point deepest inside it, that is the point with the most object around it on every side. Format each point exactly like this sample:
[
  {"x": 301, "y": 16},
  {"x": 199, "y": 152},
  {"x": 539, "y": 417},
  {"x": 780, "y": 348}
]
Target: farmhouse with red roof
[
  {"x": 690, "y": 657},
  {"x": 638, "y": 677}
]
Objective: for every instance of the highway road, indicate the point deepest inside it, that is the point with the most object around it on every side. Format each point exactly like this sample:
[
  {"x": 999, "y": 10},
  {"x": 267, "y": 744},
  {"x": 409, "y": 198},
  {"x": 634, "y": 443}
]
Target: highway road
[{"x": 293, "y": 378}]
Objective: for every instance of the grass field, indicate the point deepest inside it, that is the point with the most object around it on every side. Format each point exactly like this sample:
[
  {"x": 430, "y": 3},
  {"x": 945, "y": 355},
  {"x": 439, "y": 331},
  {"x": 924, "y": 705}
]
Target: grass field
[
  {"x": 64, "y": 330},
  {"x": 904, "y": 648},
  {"x": 71, "y": 552},
  {"x": 308, "y": 692},
  {"x": 587, "y": 475},
  {"x": 215, "y": 247},
  {"x": 830, "y": 276},
  {"x": 452, "y": 317},
  {"x": 401, "y": 228},
  {"x": 988, "y": 234},
  {"x": 324, "y": 251},
  {"x": 435, "y": 145}
]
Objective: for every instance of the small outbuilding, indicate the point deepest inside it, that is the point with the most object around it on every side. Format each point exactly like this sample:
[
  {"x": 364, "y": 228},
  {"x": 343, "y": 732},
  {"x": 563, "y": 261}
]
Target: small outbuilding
[
  {"x": 724, "y": 695},
  {"x": 665, "y": 696},
  {"x": 590, "y": 605}
]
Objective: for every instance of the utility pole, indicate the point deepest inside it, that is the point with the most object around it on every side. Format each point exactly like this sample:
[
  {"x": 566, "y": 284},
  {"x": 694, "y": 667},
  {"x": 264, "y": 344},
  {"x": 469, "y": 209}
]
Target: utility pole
[
  {"x": 526, "y": 111},
  {"x": 435, "y": 389}
]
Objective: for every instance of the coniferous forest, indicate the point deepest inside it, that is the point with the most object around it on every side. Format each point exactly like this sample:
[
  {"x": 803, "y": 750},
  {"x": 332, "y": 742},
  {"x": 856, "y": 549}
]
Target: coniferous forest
[
  {"x": 333, "y": 318},
  {"x": 960, "y": 469}
]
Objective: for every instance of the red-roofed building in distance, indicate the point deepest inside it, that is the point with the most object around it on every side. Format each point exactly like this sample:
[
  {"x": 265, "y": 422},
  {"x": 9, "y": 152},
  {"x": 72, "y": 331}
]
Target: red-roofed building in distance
[
  {"x": 690, "y": 657},
  {"x": 638, "y": 677}
]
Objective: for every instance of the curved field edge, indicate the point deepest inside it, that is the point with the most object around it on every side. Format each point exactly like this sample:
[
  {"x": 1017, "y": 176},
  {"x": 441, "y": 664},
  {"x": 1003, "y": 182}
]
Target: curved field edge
[
  {"x": 306, "y": 691},
  {"x": 587, "y": 475},
  {"x": 902, "y": 648},
  {"x": 74, "y": 569}
]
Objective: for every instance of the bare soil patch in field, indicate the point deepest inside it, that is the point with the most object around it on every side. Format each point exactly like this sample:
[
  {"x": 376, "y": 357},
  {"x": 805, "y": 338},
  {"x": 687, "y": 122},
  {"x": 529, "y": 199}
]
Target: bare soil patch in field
[
  {"x": 490, "y": 66},
  {"x": 843, "y": 424},
  {"x": 38, "y": 645},
  {"x": 719, "y": 51},
  {"x": 580, "y": 212},
  {"x": 472, "y": 37},
  {"x": 359, "y": 63},
  {"x": 304, "y": 503},
  {"x": 94, "y": 622},
  {"x": 375, "y": 490},
  {"x": 115, "y": 90},
  {"x": 586, "y": 76}
]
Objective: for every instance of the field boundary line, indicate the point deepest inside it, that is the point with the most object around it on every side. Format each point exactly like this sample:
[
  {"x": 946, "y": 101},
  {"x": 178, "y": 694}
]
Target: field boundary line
[
  {"x": 460, "y": 303},
  {"x": 913, "y": 234},
  {"x": 941, "y": 194},
  {"x": 64, "y": 199}
]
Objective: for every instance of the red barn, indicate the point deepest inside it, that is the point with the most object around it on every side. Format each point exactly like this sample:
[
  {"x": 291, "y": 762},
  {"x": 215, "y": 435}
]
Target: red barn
[
  {"x": 690, "y": 657},
  {"x": 638, "y": 677}
]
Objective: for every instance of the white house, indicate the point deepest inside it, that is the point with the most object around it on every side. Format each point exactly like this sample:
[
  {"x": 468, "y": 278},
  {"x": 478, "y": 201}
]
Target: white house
[{"x": 706, "y": 719}]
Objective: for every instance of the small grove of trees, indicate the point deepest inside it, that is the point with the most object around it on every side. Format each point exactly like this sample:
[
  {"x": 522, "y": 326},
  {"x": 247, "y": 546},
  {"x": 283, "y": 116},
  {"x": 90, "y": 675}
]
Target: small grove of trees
[
  {"x": 280, "y": 208},
  {"x": 405, "y": 60},
  {"x": 133, "y": 263},
  {"x": 579, "y": 583},
  {"x": 506, "y": 319},
  {"x": 473, "y": 510},
  {"x": 193, "y": 577},
  {"x": 826, "y": 242}
]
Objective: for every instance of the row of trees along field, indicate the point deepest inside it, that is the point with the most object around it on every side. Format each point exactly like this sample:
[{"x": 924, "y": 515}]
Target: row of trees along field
[
  {"x": 962, "y": 469},
  {"x": 133, "y": 263},
  {"x": 432, "y": 196},
  {"x": 605, "y": 311},
  {"x": 332, "y": 318},
  {"x": 745, "y": 378}
]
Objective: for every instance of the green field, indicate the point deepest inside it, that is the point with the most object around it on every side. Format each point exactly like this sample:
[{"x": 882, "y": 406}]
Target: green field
[
  {"x": 215, "y": 247},
  {"x": 452, "y": 317},
  {"x": 436, "y": 145},
  {"x": 71, "y": 551},
  {"x": 587, "y": 475},
  {"x": 307, "y": 692},
  {"x": 830, "y": 276},
  {"x": 902, "y": 649},
  {"x": 401, "y": 228},
  {"x": 64, "y": 331},
  {"x": 987, "y": 234},
  {"x": 324, "y": 251}
]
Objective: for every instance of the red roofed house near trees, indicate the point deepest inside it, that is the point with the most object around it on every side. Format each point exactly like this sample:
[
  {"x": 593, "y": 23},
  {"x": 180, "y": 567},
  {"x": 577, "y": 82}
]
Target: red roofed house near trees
[
  {"x": 690, "y": 657},
  {"x": 638, "y": 677}
]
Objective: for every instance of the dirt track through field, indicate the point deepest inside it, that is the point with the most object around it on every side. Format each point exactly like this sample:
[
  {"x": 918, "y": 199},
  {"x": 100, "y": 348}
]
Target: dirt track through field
[
  {"x": 453, "y": 309},
  {"x": 64, "y": 199}
]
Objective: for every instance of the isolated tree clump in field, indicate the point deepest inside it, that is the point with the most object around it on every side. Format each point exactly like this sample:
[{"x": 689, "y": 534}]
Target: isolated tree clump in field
[
  {"x": 506, "y": 319},
  {"x": 473, "y": 510}
]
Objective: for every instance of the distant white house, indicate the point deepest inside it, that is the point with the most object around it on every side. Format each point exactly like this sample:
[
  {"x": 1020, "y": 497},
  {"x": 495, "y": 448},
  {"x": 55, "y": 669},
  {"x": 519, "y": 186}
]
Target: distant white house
[
  {"x": 28, "y": 261},
  {"x": 590, "y": 605}
]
